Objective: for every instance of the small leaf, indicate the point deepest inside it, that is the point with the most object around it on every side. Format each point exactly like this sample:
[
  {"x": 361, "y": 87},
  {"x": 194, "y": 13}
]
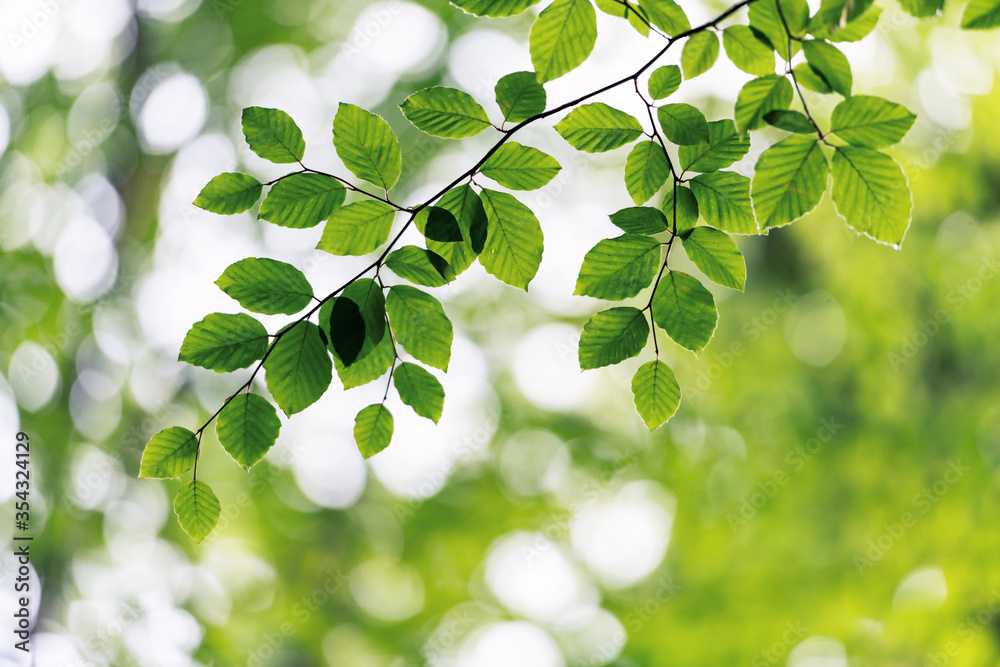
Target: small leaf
[
  {"x": 358, "y": 228},
  {"x": 829, "y": 63},
  {"x": 789, "y": 121},
  {"x": 685, "y": 310},
  {"x": 596, "y": 128},
  {"x": 664, "y": 81},
  {"x": 981, "y": 15},
  {"x": 699, "y": 54},
  {"x": 445, "y": 112},
  {"x": 612, "y": 336},
  {"x": 520, "y": 167},
  {"x": 367, "y": 146},
  {"x": 223, "y": 342},
  {"x": 619, "y": 268},
  {"x": 715, "y": 255},
  {"x": 513, "y": 250},
  {"x": 520, "y": 96},
  {"x": 494, "y": 8},
  {"x": 197, "y": 509},
  {"x": 273, "y": 135},
  {"x": 438, "y": 224},
  {"x": 724, "y": 201},
  {"x": 266, "y": 286},
  {"x": 666, "y": 15},
  {"x": 369, "y": 368},
  {"x": 748, "y": 51},
  {"x": 302, "y": 200},
  {"x": 640, "y": 220},
  {"x": 684, "y": 215},
  {"x": 420, "y": 390},
  {"x": 872, "y": 122},
  {"x": 683, "y": 124},
  {"x": 298, "y": 370},
  {"x": 420, "y": 266},
  {"x": 562, "y": 37},
  {"x": 871, "y": 193},
  {"x": 247, "y": 428},
  {"x": 646, "y": 170},
  {"x": 229, "y": 193},
  {"x": 373, "y": 429},
  {"x": 789, "y": 181},
  {"x": 759, "y": 96},
  {"x": 657, "y": 394},
  {"x": 169, "y": 454},
  {"x": 420, "y": 325},
  {"x": 724, "y": 147},
  {"x": 467, "y": 208}
]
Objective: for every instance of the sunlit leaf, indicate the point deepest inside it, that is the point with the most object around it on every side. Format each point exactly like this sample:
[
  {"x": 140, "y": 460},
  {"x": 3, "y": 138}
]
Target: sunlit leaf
[
  {"x": 169, "y": 454},
  {"x": 197, "y": 509},
  {"x": 683, "y": 124},
  {"x": 827, "y": 60},
  {"x": 656, "y": 393},
  {"x": 646, "y": 170},
  {"x": 682, "y": 215},
  {"x": 273, "y": 135},
  {"x": 367, "y": 146},
  {"x": 981, "y": 15},
  {"x": 423, "y": 267},
  {"x": 494, "y": 8},
  {"x": 871, "y": 192},
  {"x": 445, "y": 112},
  {"x": 520, "y": 167},
  {"x": 640, "y": 220},
  {"x": 748, "y": 51},
  {"x": 373, "y": 429},
  {"x": 513, "y": 250},
  {"x": 760, "y": 96},
  {"x": 715, "y": 255},
  {"x": 872, "y": 122},
  {"x": 685, "y": 309},
  {"x": 562, "y": 37},
  {"x": 420, "y": 325},
  {"x": 520, "y": 96},
  {"x": 299, "y": 369},
  {"x": 247, "y": 428},
  {"x": 302, "y": 200},
  {"x": 789, "y": 181},
  {"x": 596, "y": 128},
  {"x": 358, "y": 228},
  {"x": 619, "y": 268},
  {"x": 789, "y": 121},
  {"x": 699, "y": 54},
  {"x": 266, "y": 286},
  {"x": 420, "y": 390},
  {"x": 724, "y": 147},
  {"x": 612, "y": 336},
  {"x": 229, "y": 193},
  {"x": 724, "y": 201},
  {"x": 664, "y": 81},
  {"x": 224, "y": 342},
  {"x": 465, "y": 205}
]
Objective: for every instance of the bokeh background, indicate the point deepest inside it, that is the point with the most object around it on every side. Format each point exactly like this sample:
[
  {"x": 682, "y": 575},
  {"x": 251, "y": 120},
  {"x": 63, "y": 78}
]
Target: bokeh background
[{"x": 826, "y": 496}]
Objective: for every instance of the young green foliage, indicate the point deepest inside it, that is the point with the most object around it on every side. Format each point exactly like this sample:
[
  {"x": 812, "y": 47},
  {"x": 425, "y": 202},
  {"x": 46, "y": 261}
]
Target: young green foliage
[
  {"x": 169, "y": 454},
  {"x": 681, "y": 215},
  {"x": 789, "y": 181},
  {"x": 373, "y": 429},
  {"x": 298, "y": 370},
  {"x": 683, "y": 124},
  {"x": 197, "y": 509},
  {"x": 646, "y": 170},
  {"x": 656, "y": 393},
  {"x": 520, "y": 167},
  {"x": 420, "y": 266},
  {"x": 597, "y": 128},
  {"x": 358, "y": 228},
  {"x": 619, "y": 268},
  {"x": 247, "y": 428},
  {"x": 562, "y": 37},
  {"x": 612, "y": 336},
  {"x": 513, "y": 249},
  {"x": 266, "y": 286},
  {"x": 229, "y": 193},
  {"x": 685, "y": 309},
  {"x": 420, "y": 325},
  {"x": 700, "y": 53},
  {"x": 223, "y": 342},
  {"x": 724, "y": 201},
  {"x": 273, "y": 135},
  {"x": 420, "y": 390},
  {"x": 445, "y": 112},
  {"x": 716, "y": 256},
  {"x": 302, "y": 200},
  {"x": 664, "y": 81},
  {"x": 367, "y": 146},
  {"x": 520, "y": 96}
]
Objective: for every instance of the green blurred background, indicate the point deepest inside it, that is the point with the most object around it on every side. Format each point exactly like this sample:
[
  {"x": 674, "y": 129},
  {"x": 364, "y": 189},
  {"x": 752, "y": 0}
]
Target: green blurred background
[{"x": 825, "y": 496}]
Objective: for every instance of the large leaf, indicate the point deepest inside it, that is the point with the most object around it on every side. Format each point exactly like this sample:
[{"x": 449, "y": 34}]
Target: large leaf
[
  {"x": 465, "y": 205},
  {"x": 699, "y": 54},
  {"x": 224, "y": 342},
  {"x": 656, "y": 392},
  {"x": 373, "y": 429},
  {"x": 266, "y": 286},
  {"x": 981, "y": 15},
  {"x": 520, "y": 167},
  {"x": 299, "y": 369},
  {"x": 646, "y": 170},
  {"x": 229, "y": 193},
  {"x": 445, "y": 112},
  {"x": 302, "y": 200},
  {"x": 830, "y": 63},
  {"x": 423, "y": 267},
  {"x": 685, "y": 310},
  {"x": 513, "y": 250},
  {"x": 366, "y": 145},
  {"x": 273, "y": 135},
  {"x": 872, "y": 122},
  {"x": 494, "y": 8},
  {"x": 789, "y": 181},
  {"x": 420, "y": 390},
  {"x": 747, "y": 50},
  {"x": 520, "y": 96},
  {"x": 724, "y": 201},
  {"x": 562, "y": 37},
  {"x": 724, "y": 147},
  {"x": 640, "y": 220},
  {"x": 612, "y": 336},
  {"x": 682, "y": 214},
  {"x": 683, "y": 124},
  {"x": 358, "y": 228},
  {"x": 596, "y": 128},
  {"x": 666, "y": 15},
  {"x": 420, "y": 325},
  {"x": 619, "y": 268},
  {"x": 715, "y": 254},
  {"x": 871, "y": 192},
  {"x": 197, "y": 509},
  {"x": 758, "y": 97},
  {"x": 247, "y": 428},
  {"x": 664, "y": 81},
  {"x": 169, "y": 454}
]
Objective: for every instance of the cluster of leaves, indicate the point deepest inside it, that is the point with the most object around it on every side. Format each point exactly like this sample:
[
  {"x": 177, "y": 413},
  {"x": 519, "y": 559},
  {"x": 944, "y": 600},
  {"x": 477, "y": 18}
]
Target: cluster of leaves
[{"x": 363, "y": 328}]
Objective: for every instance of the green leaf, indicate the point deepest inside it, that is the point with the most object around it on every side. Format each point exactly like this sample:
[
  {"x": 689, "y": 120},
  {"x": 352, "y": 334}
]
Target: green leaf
[
  {"x": 420, "y": 266},
  {"x": 871, "y": 192},
  {"x": 266, "y": 286},
  {"x": 612, "y": 336},
  {"x": 358, "y": 228},
  {"x": 623, "y": 9},
  {"x": 683, "y": 124},
  {"x": 789, "y": 181},
  {"x": 619, "y": 268},
  {"x": 657, "y": 394},
  {"x": 494, "y": 8},
  {"x": 837, "y": 14},
  {"x": 169, "y": 454},
  {"x": 925, "y": 8},
  {"x": 715, "y": 255},
  {"x": 273, "y": 135},
  {"x": 853, "y": 31},
  {"x": 562, "y": 37},
  {"x": 810, "y": 79},
  {"x": 298, "y": 370},
  {"x": 224, "y": 342},
  {"x": 646, "y": 170},
  {"x": 520, "y": 167},
  {"x": 247, "y": 428},
  {"x": 520, "y": 96},
  {"x": 686, "y": 209},
  {"x": 596, "y": 128},
  {"x": 229, "y": 193},
  {"x": 197, "y": 509},
  {"x": 664, "y": 81},
  {"x": 368, "y": 368},
  {"x": 445, "y": 112},
  {"x": 830, "y": 64},
  {"x": 724, "y": 147},
  {"x": 438, "y": 224},
  {"x": 463, "y": 203},
  {"x": 640, "y": 220},
  {"x": 347, "y": 330},
  {"x": 366, "y": 145},
  {"x": 748, "y": 51},
  {"x": 420, "y": 390},
  {"x": 872, "y": 122},
  {"x": 759, "y": 96},
  {"x": 366, "y": 294},
  {"x": 724, "y": 201},
  {"x": 513, "y": 250},
  {"x": 685, "y": 310},
  {"x": 420, "y": 325},
  {"x": 765, "y": 18},
  {"x": 373, "y": 429},
  {"x": 302, "y": 200},
  {"x": 666, "y": 15},
  {"x": 981, "y": 15},
  {"x": 699, "y": 54},
  {"x": 789, "y": 121}
]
